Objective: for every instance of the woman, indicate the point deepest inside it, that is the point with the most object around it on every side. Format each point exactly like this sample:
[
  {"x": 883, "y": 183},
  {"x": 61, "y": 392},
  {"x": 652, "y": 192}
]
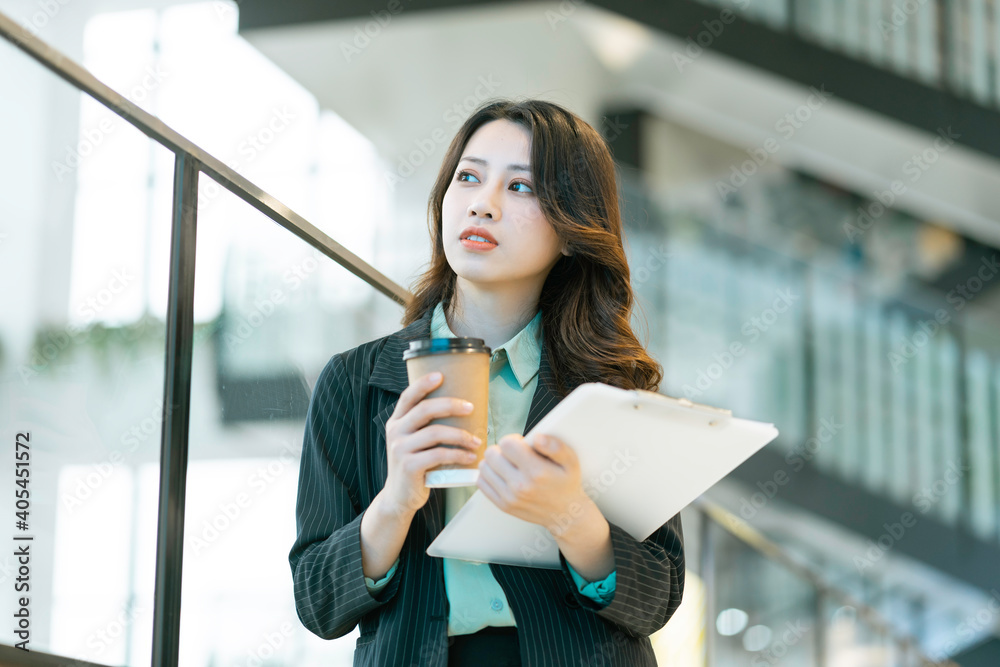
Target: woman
[{"x": 527, "y": 254}]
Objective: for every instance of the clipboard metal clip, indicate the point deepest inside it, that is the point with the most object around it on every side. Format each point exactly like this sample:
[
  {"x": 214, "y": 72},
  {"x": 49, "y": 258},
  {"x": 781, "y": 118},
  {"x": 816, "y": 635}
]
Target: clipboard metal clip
[{"x": 718, "y": 415}]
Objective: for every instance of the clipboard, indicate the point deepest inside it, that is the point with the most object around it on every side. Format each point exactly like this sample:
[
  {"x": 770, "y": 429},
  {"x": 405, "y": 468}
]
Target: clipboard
[{"x": 643, "y": 457}]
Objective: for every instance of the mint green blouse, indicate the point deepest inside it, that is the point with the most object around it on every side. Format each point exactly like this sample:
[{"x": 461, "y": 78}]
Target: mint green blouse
[{"x": 476, "y": 598}]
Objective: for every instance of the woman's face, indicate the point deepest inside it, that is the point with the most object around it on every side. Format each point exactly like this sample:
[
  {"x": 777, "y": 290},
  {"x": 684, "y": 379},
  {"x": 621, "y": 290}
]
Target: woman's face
[{"x": 492, "y": 189}]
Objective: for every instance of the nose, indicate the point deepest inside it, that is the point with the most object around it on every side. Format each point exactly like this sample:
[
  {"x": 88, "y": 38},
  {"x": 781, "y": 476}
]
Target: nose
[{"x": 486, "y": 204}]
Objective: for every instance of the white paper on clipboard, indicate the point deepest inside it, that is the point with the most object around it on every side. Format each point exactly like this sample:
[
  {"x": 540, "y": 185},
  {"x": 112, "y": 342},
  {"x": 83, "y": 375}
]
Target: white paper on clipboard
[{"x": 643, "y": 458}]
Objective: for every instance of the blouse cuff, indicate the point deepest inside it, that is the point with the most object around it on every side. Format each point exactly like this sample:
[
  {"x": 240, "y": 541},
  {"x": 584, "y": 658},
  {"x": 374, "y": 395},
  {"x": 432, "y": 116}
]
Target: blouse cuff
[
  {"x": 599, "y": 591},
  {"x": 376, "y": 586}
]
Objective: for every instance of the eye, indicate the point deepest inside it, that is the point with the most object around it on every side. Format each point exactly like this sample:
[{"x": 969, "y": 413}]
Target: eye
[
  {"x": 464, "y": 173},
  {"x": 528, "y": 189}
]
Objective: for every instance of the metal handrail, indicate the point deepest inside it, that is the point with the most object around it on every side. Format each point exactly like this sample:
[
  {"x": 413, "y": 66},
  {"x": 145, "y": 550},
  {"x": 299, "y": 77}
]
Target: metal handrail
[{"x": 756, "y": 540}]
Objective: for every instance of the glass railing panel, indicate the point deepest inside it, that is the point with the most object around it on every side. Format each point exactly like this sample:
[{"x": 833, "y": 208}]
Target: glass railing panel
[
  {"x": 848, "y": 639},
  {"x": 277, "y": 311},
  {"x": 263, "y": 123},
  {"x": 84, "y": 210},
  {"x": 764, "y": 614}
]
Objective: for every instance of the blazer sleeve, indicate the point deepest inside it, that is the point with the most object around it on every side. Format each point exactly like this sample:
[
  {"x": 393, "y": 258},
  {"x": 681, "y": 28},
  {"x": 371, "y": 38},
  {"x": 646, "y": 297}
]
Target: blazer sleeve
[
  {"x": 331, "y": 594},
  {"x": 649, "y": 579}
]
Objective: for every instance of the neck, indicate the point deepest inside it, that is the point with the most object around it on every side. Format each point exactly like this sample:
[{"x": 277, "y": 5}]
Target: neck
[{"x": 495, "y": 315}]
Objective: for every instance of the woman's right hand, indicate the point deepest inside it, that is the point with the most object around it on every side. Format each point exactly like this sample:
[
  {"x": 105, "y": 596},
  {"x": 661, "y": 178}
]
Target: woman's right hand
[{"x": 411, "y": 443}]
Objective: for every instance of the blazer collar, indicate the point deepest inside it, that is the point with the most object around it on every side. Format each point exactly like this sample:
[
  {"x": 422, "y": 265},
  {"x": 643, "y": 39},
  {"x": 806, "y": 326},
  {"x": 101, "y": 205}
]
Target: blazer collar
[{"x": 389, "y": 373}]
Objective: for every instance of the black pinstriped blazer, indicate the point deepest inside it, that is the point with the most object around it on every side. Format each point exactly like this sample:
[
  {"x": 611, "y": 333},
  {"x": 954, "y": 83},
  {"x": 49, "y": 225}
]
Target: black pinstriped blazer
[{"x": 344, "y": 466}]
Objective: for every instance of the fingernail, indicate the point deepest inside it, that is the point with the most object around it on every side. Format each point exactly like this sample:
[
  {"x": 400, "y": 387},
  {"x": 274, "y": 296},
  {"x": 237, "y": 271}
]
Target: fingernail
[
  {"x": 435, "y": 376},
  {"x": 478, "y": 440},
  {"x": 467, "y": 405}
]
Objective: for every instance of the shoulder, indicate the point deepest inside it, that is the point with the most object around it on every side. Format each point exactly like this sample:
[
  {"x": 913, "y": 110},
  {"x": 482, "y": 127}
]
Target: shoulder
[
  {"x": 351, "y": 365},
  {"x": 357, "y": 364}
]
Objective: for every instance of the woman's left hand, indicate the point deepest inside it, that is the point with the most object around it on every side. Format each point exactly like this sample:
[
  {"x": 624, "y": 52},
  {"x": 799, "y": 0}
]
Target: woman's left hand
[{"x": 541, "y": 486}]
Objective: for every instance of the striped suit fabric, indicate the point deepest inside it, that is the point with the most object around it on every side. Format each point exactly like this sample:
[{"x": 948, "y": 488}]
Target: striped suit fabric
[{"x": 343, "y": 467}]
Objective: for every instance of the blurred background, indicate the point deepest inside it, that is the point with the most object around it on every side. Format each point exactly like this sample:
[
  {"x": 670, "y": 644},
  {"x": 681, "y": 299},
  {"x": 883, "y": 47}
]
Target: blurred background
[{"x": 811, "y": 194}]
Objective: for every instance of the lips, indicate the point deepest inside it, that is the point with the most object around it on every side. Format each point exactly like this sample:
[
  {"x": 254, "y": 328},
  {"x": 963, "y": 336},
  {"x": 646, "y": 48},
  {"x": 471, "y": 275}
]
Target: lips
[{"x": 477, "y": 231}]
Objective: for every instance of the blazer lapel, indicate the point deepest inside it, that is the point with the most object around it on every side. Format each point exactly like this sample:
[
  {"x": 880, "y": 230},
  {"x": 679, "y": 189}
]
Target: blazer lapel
[{"x": 389, "y": 373}]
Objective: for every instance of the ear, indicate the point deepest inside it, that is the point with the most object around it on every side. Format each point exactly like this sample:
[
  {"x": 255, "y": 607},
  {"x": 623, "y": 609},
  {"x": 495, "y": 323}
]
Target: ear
[{"x": 565, "y": 251}]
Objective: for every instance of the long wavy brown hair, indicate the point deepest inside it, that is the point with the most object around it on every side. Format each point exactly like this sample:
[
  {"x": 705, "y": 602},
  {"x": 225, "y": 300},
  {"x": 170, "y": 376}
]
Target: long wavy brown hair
[{"x": 587, "y": 298}]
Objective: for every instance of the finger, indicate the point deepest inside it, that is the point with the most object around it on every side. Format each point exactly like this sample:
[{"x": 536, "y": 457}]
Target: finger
[
  {"x": 520, "y": 453},
  {"x": 430, "y": 409},
  {"x": 498, "y": 492},
  {"x": 431, "y": 458},
  {"x": 441, "y": 434},
  {"x": 554, "y": 449},
  {"x": 501, "y": 465},
  {"x": 415, "y": 392},
  {"x": 488, "y": 489}
]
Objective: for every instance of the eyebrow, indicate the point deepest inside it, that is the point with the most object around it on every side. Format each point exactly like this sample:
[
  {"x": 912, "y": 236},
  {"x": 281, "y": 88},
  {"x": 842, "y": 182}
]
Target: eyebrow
[{"x": 510, "y": 167}]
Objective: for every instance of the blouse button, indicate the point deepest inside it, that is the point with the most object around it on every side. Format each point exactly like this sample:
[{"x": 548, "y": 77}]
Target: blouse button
[{"x": 496, "y": 604}]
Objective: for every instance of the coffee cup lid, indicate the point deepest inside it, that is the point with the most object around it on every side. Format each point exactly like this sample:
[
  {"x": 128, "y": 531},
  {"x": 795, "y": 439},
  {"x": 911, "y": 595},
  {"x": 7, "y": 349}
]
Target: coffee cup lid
[{"x": 445, "y": 346}]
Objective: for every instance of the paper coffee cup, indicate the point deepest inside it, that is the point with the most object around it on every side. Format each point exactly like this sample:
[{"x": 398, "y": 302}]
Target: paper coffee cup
[{"x": 465, "y": 365}]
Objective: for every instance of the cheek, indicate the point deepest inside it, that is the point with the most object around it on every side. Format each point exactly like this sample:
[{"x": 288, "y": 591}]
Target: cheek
[
  {"x": 543, "y": 239},
  {"x": 447, "y": 207}
]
